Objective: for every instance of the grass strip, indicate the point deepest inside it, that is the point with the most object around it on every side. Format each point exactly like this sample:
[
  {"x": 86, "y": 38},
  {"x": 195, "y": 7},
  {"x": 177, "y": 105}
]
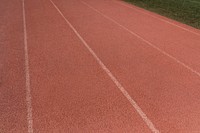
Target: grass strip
[{"x": 185, "y": 11}]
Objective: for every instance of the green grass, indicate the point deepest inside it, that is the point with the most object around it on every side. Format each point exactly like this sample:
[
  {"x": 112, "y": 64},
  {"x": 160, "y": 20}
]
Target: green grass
[{"x": 185, "y": 11}]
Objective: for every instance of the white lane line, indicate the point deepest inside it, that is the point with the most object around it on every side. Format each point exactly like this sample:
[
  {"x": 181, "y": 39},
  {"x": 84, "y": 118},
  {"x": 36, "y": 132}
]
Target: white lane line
[
  {"x": 120, "y": 87},
  {"x": 154, "y": 16},
  {"x": 144, "y": 40},
  {"x": 28, "y": 87}
]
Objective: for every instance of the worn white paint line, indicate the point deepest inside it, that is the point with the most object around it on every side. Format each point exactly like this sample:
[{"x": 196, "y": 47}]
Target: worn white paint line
[
  {"x": 146, "y": 41},
  {"x": 113, "y": 78},
  {"x": 154, "y": 16},
  {"x": 28, "y": 87}
]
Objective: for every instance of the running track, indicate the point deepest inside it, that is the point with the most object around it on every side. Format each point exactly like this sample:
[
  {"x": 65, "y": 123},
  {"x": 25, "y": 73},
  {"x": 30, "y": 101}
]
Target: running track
[{"x": 96, "y": 66}]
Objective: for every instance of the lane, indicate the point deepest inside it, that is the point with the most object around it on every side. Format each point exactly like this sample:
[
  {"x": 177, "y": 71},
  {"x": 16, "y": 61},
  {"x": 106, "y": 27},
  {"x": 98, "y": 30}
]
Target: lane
[
  {"x": 12, "y": 70},
  {"x": 112, "y": 77},
  {"x": 167, "y": 92},
  {"x": 70, "y": 91},
  {"x": 161, "y": 34}
]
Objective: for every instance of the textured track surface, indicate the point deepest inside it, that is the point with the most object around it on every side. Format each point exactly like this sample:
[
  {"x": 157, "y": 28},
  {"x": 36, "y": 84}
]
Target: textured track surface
[
  {"x": 12, "y": 75},
  {"x": 155, "y": 59}
]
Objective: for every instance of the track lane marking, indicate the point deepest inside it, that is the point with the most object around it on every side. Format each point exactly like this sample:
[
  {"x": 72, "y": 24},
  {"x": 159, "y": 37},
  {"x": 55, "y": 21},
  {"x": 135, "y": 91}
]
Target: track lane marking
[
  {"x": 161, "y": 19},
  {"x": 27, "y": 73},
  {"x": 113, "y": 78},
  {"x": 144, "y": 40}
]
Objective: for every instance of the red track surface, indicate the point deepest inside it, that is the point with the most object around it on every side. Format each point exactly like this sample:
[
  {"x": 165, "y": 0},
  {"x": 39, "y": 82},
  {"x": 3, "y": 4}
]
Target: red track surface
[{"x": 155, "y": 59}]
